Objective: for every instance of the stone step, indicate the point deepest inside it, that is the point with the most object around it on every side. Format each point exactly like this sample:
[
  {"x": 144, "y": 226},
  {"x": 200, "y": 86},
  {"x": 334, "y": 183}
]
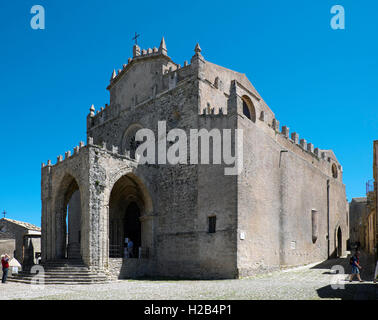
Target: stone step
[
  {"x": 58, "y": 264},
  {"x": 54, "y": 271},
  {"x": 66, "y": 268},
  {"x": 62, "y": 271},
  {"x": 30, "y": 280},
  {"x": 66, "y": 261},
  {"x": 62, "y": 276},
  {"x": 52, "y": 282},
  {"x": 59, "y": 275}
]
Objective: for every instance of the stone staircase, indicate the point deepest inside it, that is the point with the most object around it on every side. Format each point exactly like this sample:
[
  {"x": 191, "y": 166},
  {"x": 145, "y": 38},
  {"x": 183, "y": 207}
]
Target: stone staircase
[{"x": 64, "y": 271}]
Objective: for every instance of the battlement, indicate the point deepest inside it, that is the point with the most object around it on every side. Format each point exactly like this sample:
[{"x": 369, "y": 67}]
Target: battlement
[
  {"x": 143, "y": 54},
  {"x": 325, "y": 156},
  {"x": 125, "y": 67},
  {"x": 113, "y": 150},
  {"x": 67, "y": 155},
  {"x": 212, "y": 111}
]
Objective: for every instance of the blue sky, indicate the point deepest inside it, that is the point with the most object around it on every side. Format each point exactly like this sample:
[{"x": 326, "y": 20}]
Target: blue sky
[{"x": 320, "y": 82}]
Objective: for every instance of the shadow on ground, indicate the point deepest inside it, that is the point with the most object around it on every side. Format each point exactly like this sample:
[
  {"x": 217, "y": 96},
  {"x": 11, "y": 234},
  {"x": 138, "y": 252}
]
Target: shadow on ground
[
  {"x": 367, "y": 262},
  {"x": 351, "y": 290}
]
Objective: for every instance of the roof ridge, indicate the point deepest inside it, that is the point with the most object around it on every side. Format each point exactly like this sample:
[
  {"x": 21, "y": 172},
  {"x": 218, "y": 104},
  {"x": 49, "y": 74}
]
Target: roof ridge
[{"x": 23, "y": 224}]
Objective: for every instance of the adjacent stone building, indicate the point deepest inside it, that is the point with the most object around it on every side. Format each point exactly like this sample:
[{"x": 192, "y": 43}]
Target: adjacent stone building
[
  {"x": 20, "y": 240},
  {"x": 363, "y": 213},
  {"x": 358, "y": 212},
  {"x": 7, "y": 242},
  {"x": 287, "y": 206}
]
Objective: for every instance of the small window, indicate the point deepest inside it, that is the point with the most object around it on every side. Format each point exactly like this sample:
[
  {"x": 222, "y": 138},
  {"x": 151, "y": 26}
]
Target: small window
[
  {"x": 212, "y": 224},
  {"x": 334, "y": 171},
  {"x": 246, "y": 110},
  {"x": 315, "y": 225}
]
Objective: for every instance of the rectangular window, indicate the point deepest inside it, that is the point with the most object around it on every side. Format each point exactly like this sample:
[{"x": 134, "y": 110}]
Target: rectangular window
[{"x": 212, "y": 224}]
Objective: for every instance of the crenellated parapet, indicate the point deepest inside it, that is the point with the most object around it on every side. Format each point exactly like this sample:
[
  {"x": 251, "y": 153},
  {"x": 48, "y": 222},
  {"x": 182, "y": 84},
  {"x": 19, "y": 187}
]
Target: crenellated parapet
[
  {"x": 212, "y": 111},
  {"x": 112, "y": 150},
  {"x": 67, "y": 155},
  {"x": 142, "y": 54},
  {"x": 302, "y": 145}
]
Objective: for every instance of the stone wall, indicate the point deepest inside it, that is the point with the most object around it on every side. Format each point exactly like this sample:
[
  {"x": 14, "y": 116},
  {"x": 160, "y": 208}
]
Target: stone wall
[
  {"x": 7, "y": 246},
  {"x": 281, "y": 185},
  {"x": 358, "y": 214},
  {"x": 128, "y": 268}
]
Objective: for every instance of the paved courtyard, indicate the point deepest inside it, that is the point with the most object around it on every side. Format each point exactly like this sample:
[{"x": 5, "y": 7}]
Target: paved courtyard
[{"x": 303, "y": 283}]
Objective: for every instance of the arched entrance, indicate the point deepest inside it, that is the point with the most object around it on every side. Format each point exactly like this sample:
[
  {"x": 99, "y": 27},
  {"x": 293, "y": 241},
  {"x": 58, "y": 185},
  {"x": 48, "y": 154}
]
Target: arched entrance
[
  {"x": 339, "y": 243},
  {"x": 127, "y": 204},
  {"x": 68, "y": 220}
]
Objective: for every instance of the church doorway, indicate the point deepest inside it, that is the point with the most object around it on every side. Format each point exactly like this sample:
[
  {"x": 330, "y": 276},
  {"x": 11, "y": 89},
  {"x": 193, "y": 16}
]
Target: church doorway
[
  {"x": 127, "y": 204},
  {"x": 132, "y": 228},
  {"x": 339, "y": 243}
]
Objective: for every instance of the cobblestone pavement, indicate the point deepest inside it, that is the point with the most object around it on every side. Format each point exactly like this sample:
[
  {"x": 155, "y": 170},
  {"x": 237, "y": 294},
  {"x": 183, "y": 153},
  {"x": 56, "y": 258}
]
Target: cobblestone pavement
[{"x": 303, "y": 283}]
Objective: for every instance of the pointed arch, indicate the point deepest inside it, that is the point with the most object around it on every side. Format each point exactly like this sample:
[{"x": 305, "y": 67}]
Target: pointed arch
[
  {"x": 130, "y": 207},
  {"x": 248, "y": 108},
  {"x": 68, "y": 190}
]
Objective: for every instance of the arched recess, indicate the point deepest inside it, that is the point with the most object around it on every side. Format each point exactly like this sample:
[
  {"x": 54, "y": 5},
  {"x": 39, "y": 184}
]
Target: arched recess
[
  {"x": 339, "y": 242},
  {"x": 334, "y": 171},
  {"x": 130, "y": 209},
  {"x": 248, "y": 108},
  {"x": 128, "y": 143},
  {"x": 68, "y": 212}
]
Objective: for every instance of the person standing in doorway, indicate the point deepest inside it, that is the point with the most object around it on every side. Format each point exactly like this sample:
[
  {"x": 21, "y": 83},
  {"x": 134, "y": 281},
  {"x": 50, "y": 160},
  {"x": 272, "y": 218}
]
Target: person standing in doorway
[
  {"x": 355, "y": 263},
  {"x": 5, "y": 265},
  {"x": 130, "y": 247}
]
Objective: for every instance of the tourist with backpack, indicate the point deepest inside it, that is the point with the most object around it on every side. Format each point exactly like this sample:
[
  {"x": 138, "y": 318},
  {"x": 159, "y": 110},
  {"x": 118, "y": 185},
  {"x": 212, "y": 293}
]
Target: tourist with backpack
[{"x": 355, "y": 263}]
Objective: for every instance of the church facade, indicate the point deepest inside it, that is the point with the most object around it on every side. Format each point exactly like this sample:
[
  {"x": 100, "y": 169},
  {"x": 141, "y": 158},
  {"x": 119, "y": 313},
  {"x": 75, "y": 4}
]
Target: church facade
[{"x": 287, "y": 206}]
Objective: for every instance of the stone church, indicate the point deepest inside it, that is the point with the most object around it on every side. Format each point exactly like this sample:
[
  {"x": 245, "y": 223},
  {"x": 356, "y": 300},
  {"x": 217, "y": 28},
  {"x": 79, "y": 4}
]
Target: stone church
[{"x": 286, "y": 208}]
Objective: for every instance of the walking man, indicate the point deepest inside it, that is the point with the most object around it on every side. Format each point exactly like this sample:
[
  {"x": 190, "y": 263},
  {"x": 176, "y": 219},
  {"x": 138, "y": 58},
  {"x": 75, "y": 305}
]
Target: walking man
[
  {"x": 355, "y": 262},
  {"x": 5, "y": 265}
]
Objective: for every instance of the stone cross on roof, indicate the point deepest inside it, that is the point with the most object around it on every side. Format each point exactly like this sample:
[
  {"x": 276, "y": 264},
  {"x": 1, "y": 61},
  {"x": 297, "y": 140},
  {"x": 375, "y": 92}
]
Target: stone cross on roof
[{"x": 136, "y": 38}]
